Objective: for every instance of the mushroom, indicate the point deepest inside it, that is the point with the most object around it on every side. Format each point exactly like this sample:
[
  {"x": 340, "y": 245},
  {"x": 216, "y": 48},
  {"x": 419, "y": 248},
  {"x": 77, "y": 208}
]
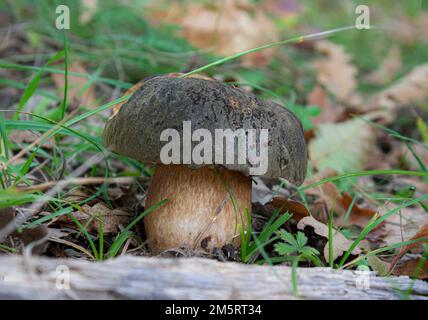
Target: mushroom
[{"x": 208, "y": 201}]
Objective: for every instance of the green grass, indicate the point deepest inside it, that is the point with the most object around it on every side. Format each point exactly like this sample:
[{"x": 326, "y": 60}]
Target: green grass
[
  {"x": 34, "y": 83},
  {"x": 98, "y": 252},
  {"x": 3, "y": 247},
  {"x": 251, "y": 249}
]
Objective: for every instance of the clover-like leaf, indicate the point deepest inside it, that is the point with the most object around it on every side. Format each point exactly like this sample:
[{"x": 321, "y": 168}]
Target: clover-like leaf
[
  {"x": 284, "y": 249},
  {"x": 288, "y": 237},
  {"x": 301, "y": 239}
]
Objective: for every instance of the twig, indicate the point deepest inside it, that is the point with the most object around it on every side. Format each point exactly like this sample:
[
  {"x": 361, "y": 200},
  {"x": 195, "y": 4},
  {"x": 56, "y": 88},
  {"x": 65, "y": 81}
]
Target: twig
[{"x": 77, "y": 181}]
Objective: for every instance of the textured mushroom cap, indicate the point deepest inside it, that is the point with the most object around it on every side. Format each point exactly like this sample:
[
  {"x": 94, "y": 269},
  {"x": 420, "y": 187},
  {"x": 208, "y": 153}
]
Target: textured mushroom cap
[{"x": 164, "y": 102}]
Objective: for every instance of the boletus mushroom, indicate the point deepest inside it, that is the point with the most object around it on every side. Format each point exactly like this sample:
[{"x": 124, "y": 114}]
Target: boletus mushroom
[{"x": 207, "y": 139}]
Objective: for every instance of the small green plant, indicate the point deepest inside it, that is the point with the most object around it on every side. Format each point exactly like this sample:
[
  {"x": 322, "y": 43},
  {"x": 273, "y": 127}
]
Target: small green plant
[{"x": 296, "y": 248}]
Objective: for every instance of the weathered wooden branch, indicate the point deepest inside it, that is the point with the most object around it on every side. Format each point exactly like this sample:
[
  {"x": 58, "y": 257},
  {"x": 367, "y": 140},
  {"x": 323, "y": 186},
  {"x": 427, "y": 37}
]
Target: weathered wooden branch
[{"x": 131, "y": 277}]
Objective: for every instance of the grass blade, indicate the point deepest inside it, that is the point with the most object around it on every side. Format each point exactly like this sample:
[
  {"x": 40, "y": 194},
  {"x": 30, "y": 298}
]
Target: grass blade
[
  {"x": 64, "y": 99},
  {"x": 360, "y": 174},
  {"x": 145, "y": 213},
  {"x": 373, "y": 223},
  {"x": 330, "y": 240},
  {"x": 297, "y": 39},
  {"x": 33, "y": 84},
  {"x": 87, "y": 235}
]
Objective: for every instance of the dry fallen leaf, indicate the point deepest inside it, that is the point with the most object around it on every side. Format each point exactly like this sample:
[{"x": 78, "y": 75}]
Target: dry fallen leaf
[
  {"x": 281, "y": 205},
  {"x": 263, "y": 194},
  {"x": 387, "y": 153},
  {"x": 408, "y": 30},
  {"x": 77, "y": 195},
  {"x": 27, "y": 136},
  {"x": 388, "y": 68},
  {"x": 336, "y": 72},
  {"x": 268, "y": 201},
  {"x": 381, "y": 267},
  {"x": 411, "y": 268},
  {"x": 6, "y": 216},
  {"x": 77, "y": 86},
  {"x": 297, "y": 209},
  {"x": 340, "y": 243},
  {"x": 36, "y": 237},
  {"x": 359, "y": 216},
  {"x": 329, "y": 195},
  {"x": 112, "y": 219},
  {"x": 227, "y": 26},
  {"x": 411, "y": 88},
  {"x": 403, "y": 225},
  {"x": 417, "y": 246}
]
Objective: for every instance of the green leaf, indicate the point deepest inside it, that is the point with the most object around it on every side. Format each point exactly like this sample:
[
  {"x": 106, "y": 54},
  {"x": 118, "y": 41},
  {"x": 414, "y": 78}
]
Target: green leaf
[
  {"x": 309, "y": 251},
  {"x": 118, "y": 242},
  {"x": 288, "y": 237},
  {"x": 284, "y": 249},
  {"x": 301, "y": 239}
]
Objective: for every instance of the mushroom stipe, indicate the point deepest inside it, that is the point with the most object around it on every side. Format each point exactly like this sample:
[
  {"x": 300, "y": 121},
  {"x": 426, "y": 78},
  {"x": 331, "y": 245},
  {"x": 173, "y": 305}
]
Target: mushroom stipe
[
  {"x": 201, "y": 214},
  {"x": 207, "y": 203}
]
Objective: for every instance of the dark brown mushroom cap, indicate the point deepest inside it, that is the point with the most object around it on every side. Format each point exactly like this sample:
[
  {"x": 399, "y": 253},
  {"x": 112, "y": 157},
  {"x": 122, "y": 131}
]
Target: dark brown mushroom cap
[{"x": 164, "y": 102}]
